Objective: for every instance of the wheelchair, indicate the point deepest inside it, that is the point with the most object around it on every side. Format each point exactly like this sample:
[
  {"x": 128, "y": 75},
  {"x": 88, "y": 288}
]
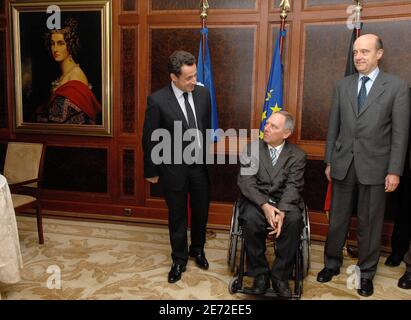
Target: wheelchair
[{"x": 236, "y": 257}]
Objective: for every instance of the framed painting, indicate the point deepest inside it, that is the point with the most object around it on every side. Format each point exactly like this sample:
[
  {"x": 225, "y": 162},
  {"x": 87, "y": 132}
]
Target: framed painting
[{"x": 61, "y": 52}]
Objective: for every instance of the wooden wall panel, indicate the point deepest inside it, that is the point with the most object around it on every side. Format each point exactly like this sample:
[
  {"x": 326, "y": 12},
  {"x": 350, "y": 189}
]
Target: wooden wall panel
[
  {"x": 79, "y": 169},
  {"x": 326, "y": 49},
  {"x": 395, "y": 35},
  {"x": 129, "y": 5},
  {"x": 232, "y": 51},
  {"x": 194, "y": 4},
  {"x": 128, "y": 175},
  {"x": 3, "y": 77},
  {"x": 163, "y": 43},
  {"x": 129, "y": 71}
]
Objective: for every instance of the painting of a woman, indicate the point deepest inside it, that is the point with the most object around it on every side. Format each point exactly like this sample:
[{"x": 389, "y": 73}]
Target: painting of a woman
[{"x": 72, "y": 100}]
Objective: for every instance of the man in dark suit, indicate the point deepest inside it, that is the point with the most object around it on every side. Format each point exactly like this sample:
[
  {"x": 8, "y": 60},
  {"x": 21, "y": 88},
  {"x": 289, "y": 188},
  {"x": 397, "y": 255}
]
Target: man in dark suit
[
  {"x": 365, "y": 153},
  {"x": 405, "y": 281},
  {"x": 183, "y": 111},
  {"x": 271, "y": 197},
  {"x": 401, "y": 234}
]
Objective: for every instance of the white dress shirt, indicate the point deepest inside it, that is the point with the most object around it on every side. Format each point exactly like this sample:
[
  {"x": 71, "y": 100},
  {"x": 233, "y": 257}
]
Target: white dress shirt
[
  {"x": 278, "y": 149},
  {"x": 180, "y": 98},
  {"x": 368, "y": 85}
]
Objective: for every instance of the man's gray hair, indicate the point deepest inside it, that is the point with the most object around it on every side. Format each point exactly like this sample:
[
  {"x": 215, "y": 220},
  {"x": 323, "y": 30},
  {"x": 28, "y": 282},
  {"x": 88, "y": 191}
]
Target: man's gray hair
[{"x": 289, "y": 120}]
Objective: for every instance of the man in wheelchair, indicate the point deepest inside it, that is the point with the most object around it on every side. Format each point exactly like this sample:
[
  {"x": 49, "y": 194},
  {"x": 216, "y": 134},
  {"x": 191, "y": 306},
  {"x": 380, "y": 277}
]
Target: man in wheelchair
[{"x": 272, "y": 203}]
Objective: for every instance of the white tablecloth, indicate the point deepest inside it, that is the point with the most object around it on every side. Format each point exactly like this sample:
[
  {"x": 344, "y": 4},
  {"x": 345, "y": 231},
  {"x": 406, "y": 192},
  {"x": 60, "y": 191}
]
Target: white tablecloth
[{"x": 10, "y": 256}]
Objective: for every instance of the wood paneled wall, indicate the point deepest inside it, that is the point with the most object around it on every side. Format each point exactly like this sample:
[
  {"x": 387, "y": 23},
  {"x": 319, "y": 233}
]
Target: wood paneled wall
[{"x": 103, "y": 177}]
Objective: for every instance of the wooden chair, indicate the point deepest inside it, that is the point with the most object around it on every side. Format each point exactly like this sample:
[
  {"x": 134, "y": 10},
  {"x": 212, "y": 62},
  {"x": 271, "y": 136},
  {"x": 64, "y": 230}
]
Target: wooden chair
[{"x": 23, "y": 170}]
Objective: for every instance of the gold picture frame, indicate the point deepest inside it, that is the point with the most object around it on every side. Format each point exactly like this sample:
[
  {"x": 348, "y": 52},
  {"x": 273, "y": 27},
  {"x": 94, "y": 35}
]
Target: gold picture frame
[{"x": 62, "y": 83}]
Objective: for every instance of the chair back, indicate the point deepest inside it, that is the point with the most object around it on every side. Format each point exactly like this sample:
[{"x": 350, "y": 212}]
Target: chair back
[{"x": 23, "y": 162}]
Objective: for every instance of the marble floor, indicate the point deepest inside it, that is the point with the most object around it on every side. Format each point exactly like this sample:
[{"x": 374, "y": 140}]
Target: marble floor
[{"x": 92, "y": 260}]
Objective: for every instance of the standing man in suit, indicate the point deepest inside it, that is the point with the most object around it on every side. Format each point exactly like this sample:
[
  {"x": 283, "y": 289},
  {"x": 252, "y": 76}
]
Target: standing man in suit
[
  {"x": 365, "y": 153},
  {"x": 181, "y": 107},
  {"x": 401, "y": 234},
  {"x": 272, "y": 197}
]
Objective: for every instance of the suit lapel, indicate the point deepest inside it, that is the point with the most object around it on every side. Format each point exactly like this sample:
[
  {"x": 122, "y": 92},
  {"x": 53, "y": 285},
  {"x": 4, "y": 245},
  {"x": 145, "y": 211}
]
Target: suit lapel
[
  {"x": 352, "y": 93},
  {"x": 281, "y": 159},
  {"x": 266, "y": 159},
  {"x": 376, "y": 90},
  {"x": 175, "y": 107}
]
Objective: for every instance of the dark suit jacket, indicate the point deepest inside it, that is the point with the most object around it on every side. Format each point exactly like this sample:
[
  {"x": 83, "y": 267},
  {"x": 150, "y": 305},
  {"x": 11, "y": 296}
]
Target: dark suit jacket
[
  {"x": 376, "y": 138},
  {"x": 283, "y": 183},
  {"x": 162, "y": 112}
]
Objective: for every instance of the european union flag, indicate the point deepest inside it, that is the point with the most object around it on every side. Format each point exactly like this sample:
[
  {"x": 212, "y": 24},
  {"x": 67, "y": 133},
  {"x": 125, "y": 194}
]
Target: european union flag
[
  {"x": 274, "y": 96},
  {"x": 205, "y": 77}
]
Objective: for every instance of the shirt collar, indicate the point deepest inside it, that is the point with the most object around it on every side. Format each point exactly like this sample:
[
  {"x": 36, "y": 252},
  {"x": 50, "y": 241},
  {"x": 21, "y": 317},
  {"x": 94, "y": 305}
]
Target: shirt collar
[
  {"x": 177, "y": 92},
  {"x": 277, "y": 148},
  {"x": 373, "y": 74}
]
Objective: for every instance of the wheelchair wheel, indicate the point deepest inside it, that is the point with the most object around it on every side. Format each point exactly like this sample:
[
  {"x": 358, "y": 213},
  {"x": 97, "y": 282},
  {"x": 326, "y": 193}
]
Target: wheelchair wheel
[
  {"x": 232, "y": 252},
  {"x": 299, "y": 275},
  {"x": 233, "y": 242},
  {"x": 305, "y": 245},
  {"x": 233, "y": 285}
]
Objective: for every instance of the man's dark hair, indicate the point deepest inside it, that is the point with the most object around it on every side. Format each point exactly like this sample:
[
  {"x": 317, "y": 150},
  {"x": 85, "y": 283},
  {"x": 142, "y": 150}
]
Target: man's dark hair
[
  {"x": 379, "y": 43},
  {"x": 178, "y": 59}
]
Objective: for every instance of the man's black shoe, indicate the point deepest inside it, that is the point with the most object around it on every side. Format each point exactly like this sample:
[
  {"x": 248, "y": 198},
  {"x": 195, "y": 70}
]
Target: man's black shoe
[
  {"x": 405, "y": 281},
  {"x": 326, "y": 274},
  {"x": 260, "y": 285},
  {"x": 393, "y": 260},
  {"x": 175, "y": 273},
  {"x": 281, "y": 288},
  {"x": 367, "y": 288},
  {"x": 200, "y": 260}
]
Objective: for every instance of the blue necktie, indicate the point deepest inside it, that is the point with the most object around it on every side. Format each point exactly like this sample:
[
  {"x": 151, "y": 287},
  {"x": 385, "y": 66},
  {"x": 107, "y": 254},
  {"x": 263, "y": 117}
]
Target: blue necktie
[
  {"x": 274, "y": 156},
  {"x": 362, "y": 96}
]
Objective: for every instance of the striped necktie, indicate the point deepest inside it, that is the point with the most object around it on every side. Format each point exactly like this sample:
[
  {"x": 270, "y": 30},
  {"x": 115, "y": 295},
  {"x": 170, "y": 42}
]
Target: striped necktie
[{"x": 274, "y": 156}]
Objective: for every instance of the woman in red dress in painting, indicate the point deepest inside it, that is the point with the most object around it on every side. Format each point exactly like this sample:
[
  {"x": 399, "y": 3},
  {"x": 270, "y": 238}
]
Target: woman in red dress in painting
[{"x": 71, "y": 101}]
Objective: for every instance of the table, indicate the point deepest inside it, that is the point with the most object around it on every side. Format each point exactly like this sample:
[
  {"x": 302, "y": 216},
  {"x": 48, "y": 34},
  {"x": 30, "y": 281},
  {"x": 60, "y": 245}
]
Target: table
[{"x": 10, "y": 256}]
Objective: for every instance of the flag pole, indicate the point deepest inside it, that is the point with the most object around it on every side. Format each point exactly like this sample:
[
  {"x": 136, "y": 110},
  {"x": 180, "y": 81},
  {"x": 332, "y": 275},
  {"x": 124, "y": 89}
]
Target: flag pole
[
  {"x": 203, "y": 15},
  {"x": 357, "y": 10},
  {"x": 352, "y": 251},
  {"x": 285, "y": 8},
  {"x": 204, "y": 6}
]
